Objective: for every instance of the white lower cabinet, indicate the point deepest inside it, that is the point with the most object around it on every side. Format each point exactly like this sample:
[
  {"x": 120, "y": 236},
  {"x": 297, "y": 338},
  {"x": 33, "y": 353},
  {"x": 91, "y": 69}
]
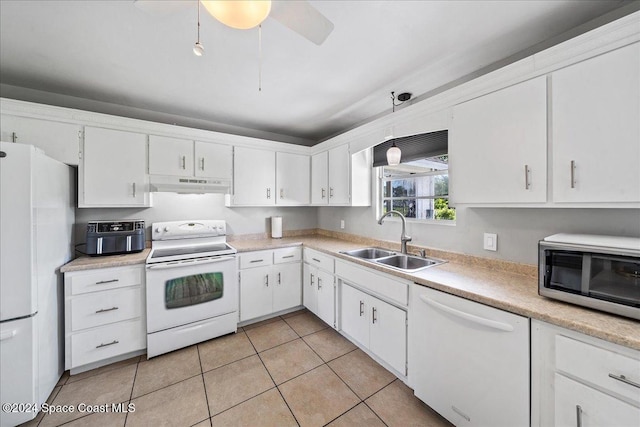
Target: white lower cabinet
[
  {"x": 269, "y": 282},
  {"x": 376, "y": 325},
  {"x": 578, "y": 380},
  {"x": 468, "y": 361},
  {"x": 105, "y": 316},
  {"x": 318, "y": 284}
]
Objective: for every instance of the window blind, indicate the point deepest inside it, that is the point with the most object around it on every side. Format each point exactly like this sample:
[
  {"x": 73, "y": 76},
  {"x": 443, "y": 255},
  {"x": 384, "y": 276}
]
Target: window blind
[{"x": 413, "y": 147}]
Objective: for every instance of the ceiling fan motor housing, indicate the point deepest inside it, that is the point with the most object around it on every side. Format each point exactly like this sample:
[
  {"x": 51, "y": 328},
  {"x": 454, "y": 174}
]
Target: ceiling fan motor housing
[{"x": 405, "y": 96}]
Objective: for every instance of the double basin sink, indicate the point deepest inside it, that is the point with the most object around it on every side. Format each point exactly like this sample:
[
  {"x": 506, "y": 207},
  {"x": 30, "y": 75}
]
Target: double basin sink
[{"x": 402, "y": 262}]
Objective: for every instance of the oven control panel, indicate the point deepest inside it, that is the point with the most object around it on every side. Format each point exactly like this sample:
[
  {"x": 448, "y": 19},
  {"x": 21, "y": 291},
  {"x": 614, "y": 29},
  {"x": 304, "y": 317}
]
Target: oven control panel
[{"x": 172, "y": 230}]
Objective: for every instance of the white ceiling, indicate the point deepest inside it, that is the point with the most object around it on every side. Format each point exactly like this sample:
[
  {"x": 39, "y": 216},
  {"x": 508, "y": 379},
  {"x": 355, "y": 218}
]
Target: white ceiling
[{"x": 113, "y": 52}]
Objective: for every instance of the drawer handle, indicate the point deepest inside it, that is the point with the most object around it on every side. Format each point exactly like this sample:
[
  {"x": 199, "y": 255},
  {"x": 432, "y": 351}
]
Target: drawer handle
[
  {"x": 624, "y": 380},
  {"x": 373, "y": 315},
  {"x": 288, "y": 256},
  {"x": 319, "y": 283},
  {"x": 104, "y": 310},
  {"x": 315, "y": 259},
  {"x": 578, "y": 416},
  {"x": 108, "y": 344},
  {"x": 468, "y": 316},
  {"x": 462, "y": 414},
  {"x": 312, "y": 279},
  {"x": 361, "y": 308},
  {"x": 256, "y": 260},
  {"x": 102, "y": 282}
]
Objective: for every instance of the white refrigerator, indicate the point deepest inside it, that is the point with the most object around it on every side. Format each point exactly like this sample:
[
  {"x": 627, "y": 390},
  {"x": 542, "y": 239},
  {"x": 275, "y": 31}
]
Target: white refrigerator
[{"x": 36, "y": 219}]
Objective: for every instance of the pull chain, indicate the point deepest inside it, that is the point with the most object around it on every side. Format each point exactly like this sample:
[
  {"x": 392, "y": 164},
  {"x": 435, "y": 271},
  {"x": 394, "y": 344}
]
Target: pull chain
[{"x": 260, "y": 58}]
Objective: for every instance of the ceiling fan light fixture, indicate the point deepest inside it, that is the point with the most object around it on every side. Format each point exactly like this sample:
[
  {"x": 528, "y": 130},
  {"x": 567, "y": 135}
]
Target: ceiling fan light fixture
[
  {"x": 240, "y": 14},
  {"x": 393, "y": 155}
]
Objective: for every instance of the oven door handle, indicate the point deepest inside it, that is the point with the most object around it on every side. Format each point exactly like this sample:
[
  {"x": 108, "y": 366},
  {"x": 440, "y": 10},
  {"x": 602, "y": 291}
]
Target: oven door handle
[{"x": 174, "y": 264}]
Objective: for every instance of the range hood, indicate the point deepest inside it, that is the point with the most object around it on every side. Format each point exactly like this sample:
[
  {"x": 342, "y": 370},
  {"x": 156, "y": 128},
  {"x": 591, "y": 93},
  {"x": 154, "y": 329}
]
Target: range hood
[{"x": 192, "y": 185}]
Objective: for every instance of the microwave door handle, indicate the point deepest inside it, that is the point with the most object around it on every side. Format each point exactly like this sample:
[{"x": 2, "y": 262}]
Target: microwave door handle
[{"x": 167, "y": 265}]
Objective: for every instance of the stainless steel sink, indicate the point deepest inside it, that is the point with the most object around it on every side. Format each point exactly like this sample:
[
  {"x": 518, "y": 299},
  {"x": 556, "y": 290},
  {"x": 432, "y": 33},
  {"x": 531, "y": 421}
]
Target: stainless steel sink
[
  {"x": 369, "y": 253},
  {"x": 402, "y": 262},
  {"x": 408, "y": 263}
]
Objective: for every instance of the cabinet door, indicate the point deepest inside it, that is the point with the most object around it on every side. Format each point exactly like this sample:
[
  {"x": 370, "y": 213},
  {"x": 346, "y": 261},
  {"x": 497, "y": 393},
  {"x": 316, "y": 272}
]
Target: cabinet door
[
  {"x": 354, "y": 311},
  {"x": 309, "y": 288},
  {"x": 388, "y": 334},
  {"x": 596, "y": 137},
  {"x": 287, "y": 287},
  {"x": 498, "y": 146},
  {"x": 292, "y": 179},
  {"x": 326, "y": 298},
  {"x": 57, "y": 139},
  {"x": 254, "y": 177},
  {"x": 320, "y": 178},
  {"x": 339, "y": 162},
  {"x": 255, "y": 293},
  {"x": 213, "y": 160},
  {"x": 113, "y": 169},
  {"x": 579, "y": 405},
  {"x": 170, "y": 156}
]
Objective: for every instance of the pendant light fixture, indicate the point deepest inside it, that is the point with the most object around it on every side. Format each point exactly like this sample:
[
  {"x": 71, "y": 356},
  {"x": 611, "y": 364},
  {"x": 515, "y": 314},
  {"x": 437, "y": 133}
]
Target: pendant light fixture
[
  {"x": 393, "y": 153},
  {"x": 240, "y": 14},
  {"x": 198, "y": 49}
]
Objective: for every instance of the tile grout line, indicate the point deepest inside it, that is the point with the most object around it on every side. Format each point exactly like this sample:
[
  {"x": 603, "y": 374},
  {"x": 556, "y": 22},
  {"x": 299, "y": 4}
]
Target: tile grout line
[
  {"x": 277, "y": 388},
  {"x": 135, "y": 375},
  {"x": 204, "y": 385}
]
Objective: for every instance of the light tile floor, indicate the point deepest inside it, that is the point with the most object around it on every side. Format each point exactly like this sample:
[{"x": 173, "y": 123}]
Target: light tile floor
[{"x": 291, "y": 370}]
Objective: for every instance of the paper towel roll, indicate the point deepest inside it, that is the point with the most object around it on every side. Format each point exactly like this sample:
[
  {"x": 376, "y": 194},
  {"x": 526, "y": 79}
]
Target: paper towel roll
[{"x": 276, "y": 227}]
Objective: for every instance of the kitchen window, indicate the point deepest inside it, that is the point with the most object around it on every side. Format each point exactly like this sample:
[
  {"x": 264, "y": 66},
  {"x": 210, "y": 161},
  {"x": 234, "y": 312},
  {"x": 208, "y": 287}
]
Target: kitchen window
[
  {"x": 419, "y": 186},
  {"x": 419, "y": 189}
]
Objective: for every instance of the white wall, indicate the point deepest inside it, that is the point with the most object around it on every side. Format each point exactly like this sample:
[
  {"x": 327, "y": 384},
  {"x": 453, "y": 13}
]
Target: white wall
[
  {"x": 518, "y": 229},
  {"x": 175, "y": 207}
]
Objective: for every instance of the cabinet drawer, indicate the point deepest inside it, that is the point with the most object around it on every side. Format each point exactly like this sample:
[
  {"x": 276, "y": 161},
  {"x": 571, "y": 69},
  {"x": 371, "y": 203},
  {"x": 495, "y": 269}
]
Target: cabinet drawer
[
  {"x": 373, "y": 280},
  {"x": 102, "y": 308},
  {"x": 594, "y": 365},
  {"x": 107, "y": 341},
  {"x": 103, "y": 279},
  {"x": 256, "y": 259},
  {"x": 319, "y": 260},
  {"x": 287, "y": 255},
  {"x": 575, "y": 401}
]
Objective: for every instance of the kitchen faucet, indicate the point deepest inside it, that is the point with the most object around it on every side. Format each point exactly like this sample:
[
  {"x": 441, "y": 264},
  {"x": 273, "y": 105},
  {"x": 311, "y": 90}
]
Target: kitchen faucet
[{"x": 403, "y": 237}]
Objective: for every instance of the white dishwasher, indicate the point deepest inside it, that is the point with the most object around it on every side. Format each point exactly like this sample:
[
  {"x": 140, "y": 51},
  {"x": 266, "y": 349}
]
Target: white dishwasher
[{"x": 468, "y": 361}]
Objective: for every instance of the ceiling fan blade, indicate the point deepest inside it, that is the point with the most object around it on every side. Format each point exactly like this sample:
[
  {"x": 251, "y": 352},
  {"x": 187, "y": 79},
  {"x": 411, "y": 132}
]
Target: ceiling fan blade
[
  {"x": 301, "y": 17},
  {"x": 162, "y": 8}
]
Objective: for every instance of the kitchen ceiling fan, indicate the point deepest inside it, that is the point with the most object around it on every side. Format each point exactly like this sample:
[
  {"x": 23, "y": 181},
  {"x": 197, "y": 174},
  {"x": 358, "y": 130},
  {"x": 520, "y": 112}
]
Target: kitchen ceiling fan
[{"x": 299, "y": 16}]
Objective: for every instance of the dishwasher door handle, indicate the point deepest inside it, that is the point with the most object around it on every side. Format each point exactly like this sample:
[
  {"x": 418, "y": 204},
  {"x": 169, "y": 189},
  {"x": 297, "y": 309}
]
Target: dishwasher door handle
[{"x": 493, "y": 324}]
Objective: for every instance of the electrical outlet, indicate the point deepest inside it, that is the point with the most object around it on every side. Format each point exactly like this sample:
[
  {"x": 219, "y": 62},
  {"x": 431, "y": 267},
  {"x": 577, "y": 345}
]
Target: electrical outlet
[
  {"x": 491, "y": 241},
  {"x": 342, "y": 224}
]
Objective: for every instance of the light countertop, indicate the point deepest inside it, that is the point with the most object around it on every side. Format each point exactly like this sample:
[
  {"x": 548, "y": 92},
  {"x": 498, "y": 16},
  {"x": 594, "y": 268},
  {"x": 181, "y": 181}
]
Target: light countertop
[{"x": 508, "y": 286}]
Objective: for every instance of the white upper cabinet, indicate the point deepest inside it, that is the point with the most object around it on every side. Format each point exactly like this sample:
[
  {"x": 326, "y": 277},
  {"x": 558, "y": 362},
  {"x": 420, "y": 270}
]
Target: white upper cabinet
[
  {"x": 113, "y": 169},
  {"x": 213, "y": 160},
  {"x": 498, "y": 146},
  {"x": 339, "y": 160},
  {"x": 320, "y": 178},
  {"x": 292, "y": 179},
  {"x": 254, "y": 177},
  {"x": 182, "y": 157},
  {"x": 170, "y": 156},
  {"x": 340, "y": 178},
  {"x": 59, "y": 140},
  {"x": 596, "y": 131}
]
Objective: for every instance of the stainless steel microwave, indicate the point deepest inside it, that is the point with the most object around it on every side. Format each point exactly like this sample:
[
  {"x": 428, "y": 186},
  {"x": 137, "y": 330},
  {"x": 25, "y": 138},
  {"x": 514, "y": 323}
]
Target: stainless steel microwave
[{"x": 600, "y": 272}]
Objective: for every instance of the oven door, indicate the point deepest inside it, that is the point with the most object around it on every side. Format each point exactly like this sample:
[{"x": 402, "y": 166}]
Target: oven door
[{"x": 183, "y": 292}]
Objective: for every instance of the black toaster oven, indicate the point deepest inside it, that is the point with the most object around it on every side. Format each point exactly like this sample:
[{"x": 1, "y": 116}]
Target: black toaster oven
[{"x": 115, "y": 237}]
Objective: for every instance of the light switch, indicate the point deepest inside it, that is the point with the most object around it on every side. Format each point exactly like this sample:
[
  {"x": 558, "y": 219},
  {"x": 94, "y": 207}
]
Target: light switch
[
  {"x": 491, "y": 241},
  {"x": 342, "y": 224}
]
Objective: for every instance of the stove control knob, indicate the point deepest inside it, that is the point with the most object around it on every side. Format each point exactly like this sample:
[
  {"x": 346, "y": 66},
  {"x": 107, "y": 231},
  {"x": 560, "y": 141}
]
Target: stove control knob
[
  {"x": 157, "y": 229},
  {"x": 166, "y": 229}
]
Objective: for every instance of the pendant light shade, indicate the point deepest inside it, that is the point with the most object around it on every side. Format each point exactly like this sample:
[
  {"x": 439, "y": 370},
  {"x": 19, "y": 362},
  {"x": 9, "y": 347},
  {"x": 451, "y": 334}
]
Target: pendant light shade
[
  {"x": 393, "y": 155},
  {"x": 243, "y": 14},
  {"x": 198, "y": 49}
]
